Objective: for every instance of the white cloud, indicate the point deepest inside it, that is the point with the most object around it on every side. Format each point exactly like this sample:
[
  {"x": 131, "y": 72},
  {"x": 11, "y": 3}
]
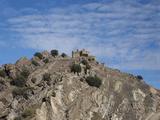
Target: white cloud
[{"x": 120, "y": 32}]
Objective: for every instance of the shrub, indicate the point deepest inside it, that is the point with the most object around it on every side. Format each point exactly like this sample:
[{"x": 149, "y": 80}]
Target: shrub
[
  {"x": 46, "y": 60},
  {"x": 20, "y": 81},
  {"x": 28, "y": 112},
  {"x": 2, "y": 73},
  {"x": 39, "y": 55},
  {"x": 25, "y": 73},
  {"x": 18, "y": 118},
  {"x": 64, "y": 55},
  {"x": 46, "y": 77},
  {"x": 54, "y": 53},
  {"x": 35, "y": 63},
  {"x": 94, "y": 81},
  {"x": 139, "y": 77},
  {"x": 76, "y": 68},
  {"x": 20, "y": 92}
]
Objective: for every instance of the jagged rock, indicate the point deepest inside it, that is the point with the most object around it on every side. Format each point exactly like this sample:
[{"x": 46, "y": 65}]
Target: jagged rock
[
  {"x": 63, "y": 95},
  {"x": 10, "y": 70}
]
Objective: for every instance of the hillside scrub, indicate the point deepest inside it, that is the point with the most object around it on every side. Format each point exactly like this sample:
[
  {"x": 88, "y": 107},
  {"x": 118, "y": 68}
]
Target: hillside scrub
[
  {"x": 2, "y": 73},
  {"x": 94, "y": 81},
  {"x": 46, "y": 77},
  {"x": 54, "y": 53},
  {"x": 76, "y": 68},
  {"x": 64, "y": 55},
  {"x": 39, "y": 55},
  {"x": 20, "y": 80}
]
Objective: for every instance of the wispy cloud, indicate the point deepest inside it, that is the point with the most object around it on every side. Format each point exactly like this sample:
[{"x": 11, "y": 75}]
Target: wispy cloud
[{"x": 123, "y": 33}]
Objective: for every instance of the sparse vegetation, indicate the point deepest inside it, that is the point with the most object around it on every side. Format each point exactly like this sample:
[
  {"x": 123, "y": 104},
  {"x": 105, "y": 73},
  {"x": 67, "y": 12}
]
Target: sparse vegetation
[
  {"x": 35, "y": 63},
  {"x": 18, "y": 118},
  {"x": 28, "y": 113},
  {"x": 47, "y": 77},
  {"x": 23, "y": 91},
  {"x": 39, "y": 55},
  {"x": 76, "y": 68},
  {"x": 94, "y": 81},
  {"x": 20, "y": 80},
  {"x": 64, "y": 55},
  {"x": 54, "y": 53},
  {"x": 25, "y": 73},
  {"x": 2, "y": 73},
  {"x": 46, "y": 60},
  {"x": 139, "y": 77}
]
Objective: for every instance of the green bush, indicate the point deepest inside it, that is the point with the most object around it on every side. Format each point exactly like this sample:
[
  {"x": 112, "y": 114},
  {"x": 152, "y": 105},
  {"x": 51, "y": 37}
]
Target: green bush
[
  {"x": 76, "y": 68},
  {"x": 2, "y": 73},
  {"x": 54, "y": 53},
  {"x": 94, "y": 81},
  {"x": 64, "y": 55},
  {"x": 23, "y": 91},
  {"x": 18, "y": 118},
  {"x": 20, "y": 81},
  {"x": 39, "y": 55},
  {"x": 46, "y": 60},
  {"x": 139, "y": 77},
  {"x": 47, "y": 77},
  {"x": 35, "y": 63},
  {"x": 28, "y": 113},
  {"x": 25, "y": 73}
]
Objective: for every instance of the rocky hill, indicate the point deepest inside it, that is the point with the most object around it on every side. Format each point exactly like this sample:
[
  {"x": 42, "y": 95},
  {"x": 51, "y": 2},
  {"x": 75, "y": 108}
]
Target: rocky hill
[{"x": 59, "y": 87}]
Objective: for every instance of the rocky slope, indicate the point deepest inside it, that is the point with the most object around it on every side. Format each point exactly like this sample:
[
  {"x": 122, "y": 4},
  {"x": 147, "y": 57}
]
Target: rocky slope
[{"x": 45, "y": 88}]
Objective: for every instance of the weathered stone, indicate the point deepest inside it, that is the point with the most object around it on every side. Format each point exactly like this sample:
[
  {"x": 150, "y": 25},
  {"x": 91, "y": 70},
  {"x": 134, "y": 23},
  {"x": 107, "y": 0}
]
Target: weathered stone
[{"x": 67, "y": 96}]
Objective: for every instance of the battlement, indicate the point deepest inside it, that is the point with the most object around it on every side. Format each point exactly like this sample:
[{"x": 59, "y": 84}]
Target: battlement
[{"x": 82, "y": 53}]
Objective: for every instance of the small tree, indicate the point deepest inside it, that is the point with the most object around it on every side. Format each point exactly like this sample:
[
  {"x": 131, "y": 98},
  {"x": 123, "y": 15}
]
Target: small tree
[
  {"x": 64, "y": 55},
  {"x": 2, "y": 73},
  {"x": 34, "y": 62},
  {"x": 21, "y": 91},
  {"x": 94, "y": 81},
  {"x": 20, "y": 81},
  {"x": 46, "y": 60},
  {"x": 28, "y": 112},
  {"x": 54, "y": 53},
  {"x": 76, "y": 68},
  {"x": 47, "y": 77},
  {"x": 21, "y": 78},
  {"x": 39, "y": 55},
  {"x": 139, "y": 77},
  {"x": 25, "y": 73}
]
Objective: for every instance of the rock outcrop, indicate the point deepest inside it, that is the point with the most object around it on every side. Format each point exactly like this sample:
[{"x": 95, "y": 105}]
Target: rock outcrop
[{"x": 53, "y": 92}]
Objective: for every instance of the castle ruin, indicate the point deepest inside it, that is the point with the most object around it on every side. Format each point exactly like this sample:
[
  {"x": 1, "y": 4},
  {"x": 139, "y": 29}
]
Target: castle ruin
[{"x": 84, "y": 54}]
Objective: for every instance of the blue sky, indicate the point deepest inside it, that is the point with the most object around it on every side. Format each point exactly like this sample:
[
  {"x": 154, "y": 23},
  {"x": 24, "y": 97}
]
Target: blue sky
[{"x": 124, "y": 34}]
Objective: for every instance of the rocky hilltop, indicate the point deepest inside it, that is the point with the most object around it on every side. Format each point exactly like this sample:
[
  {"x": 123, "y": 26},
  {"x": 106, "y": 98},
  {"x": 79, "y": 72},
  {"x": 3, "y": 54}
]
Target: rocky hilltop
[{"x": 58, "y": 87}]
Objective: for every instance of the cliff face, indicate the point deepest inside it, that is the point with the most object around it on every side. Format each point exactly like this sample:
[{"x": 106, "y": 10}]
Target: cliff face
[{"x": 53, "y": 92}]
